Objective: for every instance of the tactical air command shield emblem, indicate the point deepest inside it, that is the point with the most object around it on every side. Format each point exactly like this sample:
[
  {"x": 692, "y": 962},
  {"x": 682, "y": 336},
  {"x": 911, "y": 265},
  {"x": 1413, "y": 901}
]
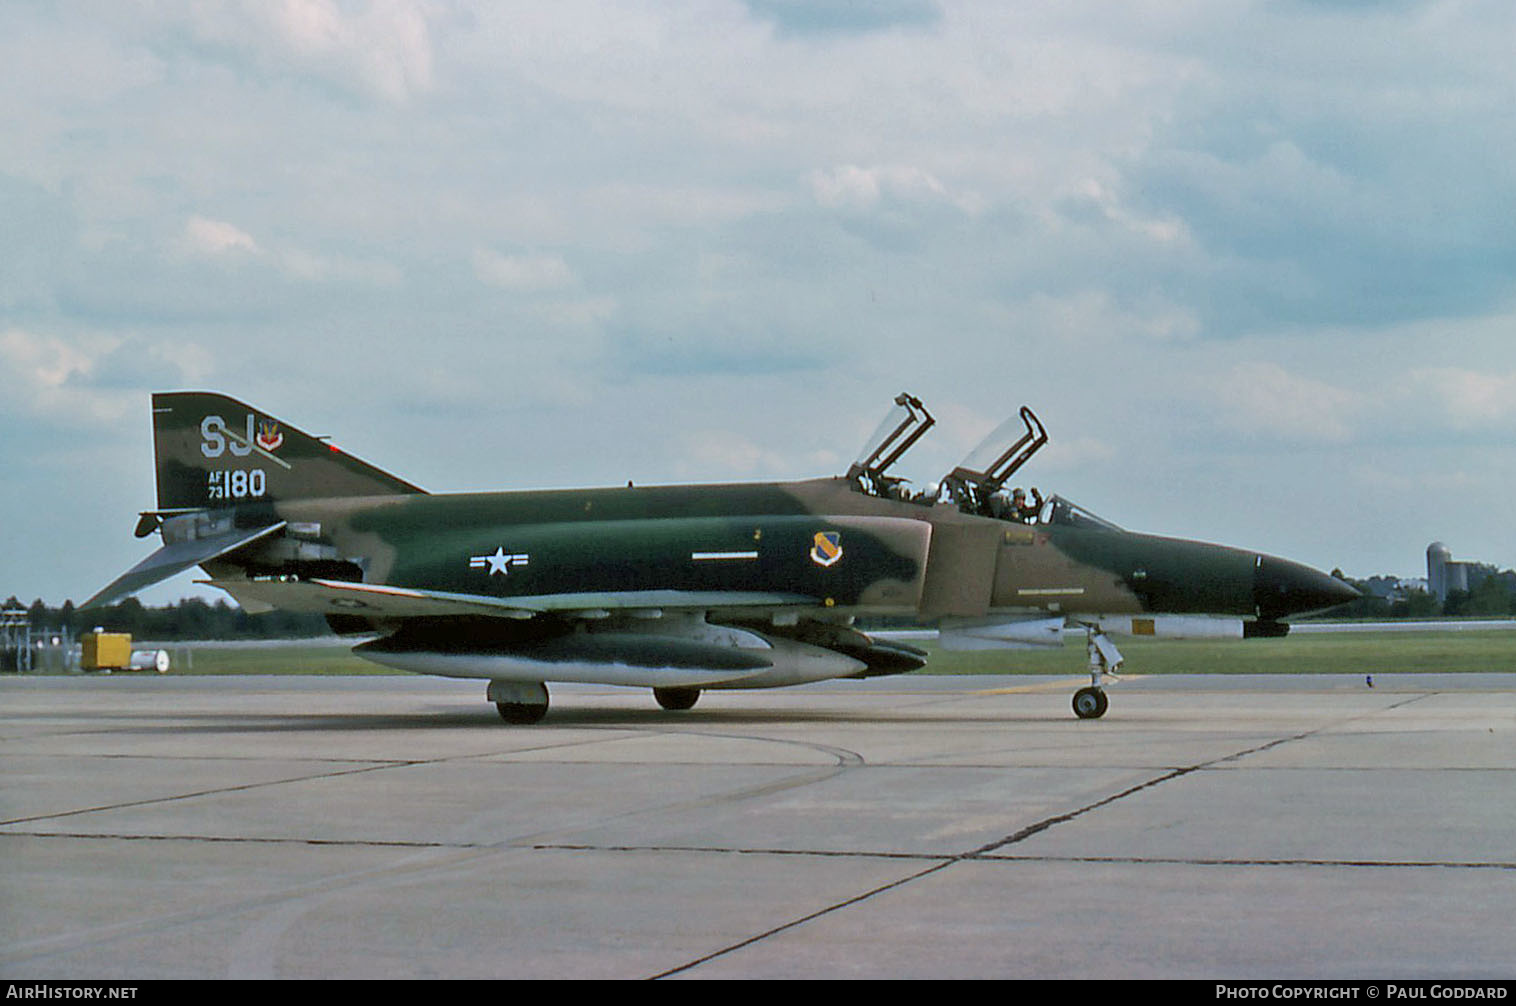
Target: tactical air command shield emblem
[
  {"x": 269, "y": 435},
  {"x": 826, "y": 548}
]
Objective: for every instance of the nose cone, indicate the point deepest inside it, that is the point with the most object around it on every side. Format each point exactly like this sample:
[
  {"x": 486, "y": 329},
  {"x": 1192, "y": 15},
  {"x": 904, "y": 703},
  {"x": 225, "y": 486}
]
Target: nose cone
[{"x": 1281, "y": 588}]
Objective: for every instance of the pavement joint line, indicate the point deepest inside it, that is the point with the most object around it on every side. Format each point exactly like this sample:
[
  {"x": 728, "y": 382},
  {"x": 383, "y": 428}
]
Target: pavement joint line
[
  {"x": 983, "y": 853},
  {"x": 357, "y": 843},
  {"x": 1178, "y": 773},
  {"x": 1399, "y": 864},
  {"x": 944, "y": 864},
  {"x": 1114, "y": 860},
  {"x": 843, "y": 761},
  {"x": 793, "y": 923},
  {"x": 365, "y": 765},
  {"x": 312, "y": 759},
  {"x": 717, "y": 850},
  {"x": 244, "y": 787}
]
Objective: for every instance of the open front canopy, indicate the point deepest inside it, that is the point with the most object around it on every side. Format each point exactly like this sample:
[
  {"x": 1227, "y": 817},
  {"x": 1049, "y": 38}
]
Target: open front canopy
[{"x": 905, "y": 424}]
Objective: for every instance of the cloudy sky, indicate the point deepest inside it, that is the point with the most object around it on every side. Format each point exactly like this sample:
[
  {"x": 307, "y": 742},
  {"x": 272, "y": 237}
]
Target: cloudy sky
[{"x": 1253, "y": 263}]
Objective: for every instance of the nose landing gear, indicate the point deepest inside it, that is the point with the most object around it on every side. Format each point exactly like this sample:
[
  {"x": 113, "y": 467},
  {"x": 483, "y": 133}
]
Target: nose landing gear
[{"x": 1091, "y": 703}]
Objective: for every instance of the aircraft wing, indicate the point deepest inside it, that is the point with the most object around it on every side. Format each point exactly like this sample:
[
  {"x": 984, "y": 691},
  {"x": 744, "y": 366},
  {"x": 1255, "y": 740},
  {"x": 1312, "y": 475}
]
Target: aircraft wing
[
  {"x": 661, "y": 639},
  {"x": 369, "y": 600},
  {"x": 176, "y": 558}
]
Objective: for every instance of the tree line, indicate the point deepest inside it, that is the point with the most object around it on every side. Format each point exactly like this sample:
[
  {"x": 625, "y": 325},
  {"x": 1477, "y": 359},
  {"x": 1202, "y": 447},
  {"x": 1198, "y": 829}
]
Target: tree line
[
  {"x": 190, "y": 618},
  {"x": 1493, "y": 596}
]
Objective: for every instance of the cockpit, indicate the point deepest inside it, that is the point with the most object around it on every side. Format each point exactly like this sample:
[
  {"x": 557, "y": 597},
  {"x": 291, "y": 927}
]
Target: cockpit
[
  {"x": 975, "y": 486},
  {"x": 1070, "y": 514},
  {"x": 905, "y": 424}
]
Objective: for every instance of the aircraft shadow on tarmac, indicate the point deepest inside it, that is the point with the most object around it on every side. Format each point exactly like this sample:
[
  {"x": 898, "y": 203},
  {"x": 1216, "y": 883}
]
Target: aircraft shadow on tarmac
[{"x": 235, "y": 722}]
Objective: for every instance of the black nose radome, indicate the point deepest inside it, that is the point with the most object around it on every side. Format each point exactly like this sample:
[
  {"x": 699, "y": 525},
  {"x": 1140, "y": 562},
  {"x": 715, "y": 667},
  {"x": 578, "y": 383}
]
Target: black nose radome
[{"x": 1281, "y": 588}]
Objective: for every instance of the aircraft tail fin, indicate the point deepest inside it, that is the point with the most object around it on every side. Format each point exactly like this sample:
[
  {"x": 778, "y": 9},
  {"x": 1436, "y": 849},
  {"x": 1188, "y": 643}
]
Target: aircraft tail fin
[{"x": 214, "y": 451}]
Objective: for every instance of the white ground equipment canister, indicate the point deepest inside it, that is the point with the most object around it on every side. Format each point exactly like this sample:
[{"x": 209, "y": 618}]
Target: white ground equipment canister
[{"x": 150, "y": 660}]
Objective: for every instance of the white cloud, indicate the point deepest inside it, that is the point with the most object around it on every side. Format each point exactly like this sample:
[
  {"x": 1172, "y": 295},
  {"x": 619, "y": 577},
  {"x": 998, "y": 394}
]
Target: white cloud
[
  {"x": 384, "y": 42},
  {"x": 53, "y": 377},
  {"x": 180, "y": 362},
  {"x": 1075, "y": 453},
  {"x": 849, "y": 186},
  {"x": 381, "y": 48},
  {"x": 576, "y": 313},
  {"x": 710, "y": 455},
  {"x": 204, "y": 236},
  {"x": 1165, "y": 229},
  {"x": 1267, "y": 401},
  {"x": 313, "y": 268},
  {"x": 92, "y": 378},
  {"x": 42, "y": 361},
  {"x": 1092, "y": 320},
  {"x": 1471, "y": 398},
  {"x": 526, "y": 273},
  {"x": 640, "y": 207}
]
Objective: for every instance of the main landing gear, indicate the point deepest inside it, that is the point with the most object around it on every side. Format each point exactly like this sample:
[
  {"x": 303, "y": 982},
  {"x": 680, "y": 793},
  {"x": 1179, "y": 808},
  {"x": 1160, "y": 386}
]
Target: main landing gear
[
  {"x": 676, "y": 698},
  {"x": 1090, "y": 703},
  {"x": 521, "y": 702}
]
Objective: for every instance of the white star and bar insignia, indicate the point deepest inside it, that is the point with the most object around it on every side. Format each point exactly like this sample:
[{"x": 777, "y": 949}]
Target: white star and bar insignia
[{"x": 501, "y": 562}]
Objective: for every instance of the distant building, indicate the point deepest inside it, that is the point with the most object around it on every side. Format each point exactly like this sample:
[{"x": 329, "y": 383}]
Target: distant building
[
  {"x": 1391, "y": 589},
  {"x": 1444, "y": 575},
  {"x": 1386, "y": 588}
]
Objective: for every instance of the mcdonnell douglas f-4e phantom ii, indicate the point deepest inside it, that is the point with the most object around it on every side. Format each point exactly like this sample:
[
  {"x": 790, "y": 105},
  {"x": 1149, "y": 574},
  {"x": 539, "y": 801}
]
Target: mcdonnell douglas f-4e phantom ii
[{"x": 681, "y": 588}]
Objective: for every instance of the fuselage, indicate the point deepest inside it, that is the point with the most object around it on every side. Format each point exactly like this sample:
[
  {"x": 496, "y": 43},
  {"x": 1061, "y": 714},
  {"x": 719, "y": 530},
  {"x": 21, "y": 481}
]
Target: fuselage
[{"x": 818, "y": 542}]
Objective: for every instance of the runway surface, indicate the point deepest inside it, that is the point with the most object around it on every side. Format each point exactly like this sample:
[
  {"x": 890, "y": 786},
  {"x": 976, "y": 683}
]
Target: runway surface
[{"x": 392, "y": 827}]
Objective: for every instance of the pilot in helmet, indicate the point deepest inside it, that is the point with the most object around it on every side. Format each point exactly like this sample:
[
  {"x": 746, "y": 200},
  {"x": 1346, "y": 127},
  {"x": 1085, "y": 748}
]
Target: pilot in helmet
[{"x": 1023, "y": 509}]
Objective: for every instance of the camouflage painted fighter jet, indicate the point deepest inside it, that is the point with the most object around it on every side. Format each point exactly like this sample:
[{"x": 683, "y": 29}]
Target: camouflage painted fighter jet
[{"x": 681, "y": 588}]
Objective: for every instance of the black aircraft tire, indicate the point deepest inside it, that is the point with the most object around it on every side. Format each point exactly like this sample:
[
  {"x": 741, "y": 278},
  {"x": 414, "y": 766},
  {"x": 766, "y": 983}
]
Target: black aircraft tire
[
  {"x": 1090, "y": 703},
  {"x": 676, "y": 698},
  {"x": 521, "y": 712}
]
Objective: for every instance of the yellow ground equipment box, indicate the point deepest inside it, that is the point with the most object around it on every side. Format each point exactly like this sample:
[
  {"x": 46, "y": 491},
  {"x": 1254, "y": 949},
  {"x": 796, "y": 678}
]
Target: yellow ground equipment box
[{"x": 105, "y": 651}]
